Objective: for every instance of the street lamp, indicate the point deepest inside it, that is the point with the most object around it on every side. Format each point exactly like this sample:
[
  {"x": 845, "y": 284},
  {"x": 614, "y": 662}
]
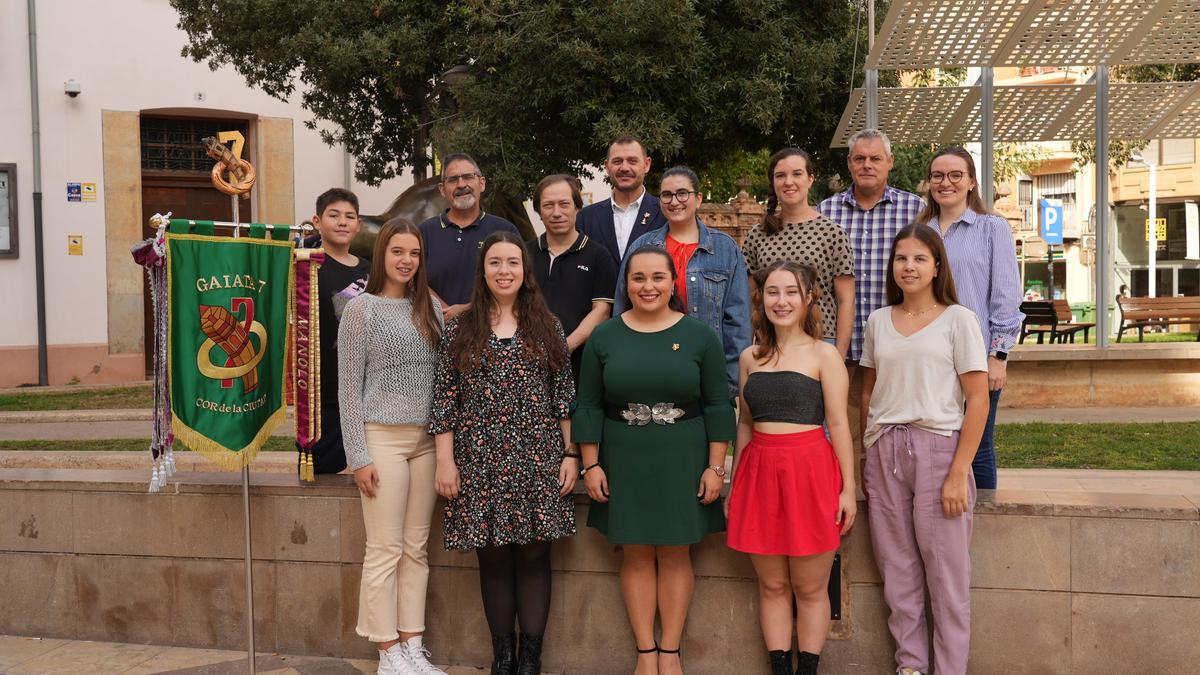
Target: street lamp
[{"x": 1152, "y": 221}]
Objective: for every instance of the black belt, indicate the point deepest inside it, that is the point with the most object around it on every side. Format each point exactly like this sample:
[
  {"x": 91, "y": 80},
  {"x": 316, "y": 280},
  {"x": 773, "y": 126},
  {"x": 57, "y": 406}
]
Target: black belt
[{"x": 641, "y": 414}]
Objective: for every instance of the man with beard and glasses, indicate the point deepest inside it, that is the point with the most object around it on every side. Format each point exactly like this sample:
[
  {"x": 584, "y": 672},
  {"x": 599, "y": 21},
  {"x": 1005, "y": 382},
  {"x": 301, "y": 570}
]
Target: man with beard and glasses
[
  {"x": 631, "y": 211},
  {"x": 453, "y": 239}
]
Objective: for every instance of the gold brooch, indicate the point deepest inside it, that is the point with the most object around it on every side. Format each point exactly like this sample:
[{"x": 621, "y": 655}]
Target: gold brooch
[{"x": 675, "y": 347}]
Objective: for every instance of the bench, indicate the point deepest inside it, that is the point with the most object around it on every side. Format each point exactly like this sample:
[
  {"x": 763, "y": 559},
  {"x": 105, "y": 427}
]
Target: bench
[
  {"x": 1044, "y": 318},
  {"x": 1141, "y": 313}
]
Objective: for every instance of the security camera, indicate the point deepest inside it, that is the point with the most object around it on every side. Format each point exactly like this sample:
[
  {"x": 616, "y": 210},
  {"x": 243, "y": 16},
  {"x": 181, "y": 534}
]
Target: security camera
[{"x": 72, "y": 88}]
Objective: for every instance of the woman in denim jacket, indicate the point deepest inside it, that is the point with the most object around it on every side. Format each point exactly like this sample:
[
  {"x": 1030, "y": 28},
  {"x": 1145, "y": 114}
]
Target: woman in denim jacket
[{"x": 711, "y": 272}]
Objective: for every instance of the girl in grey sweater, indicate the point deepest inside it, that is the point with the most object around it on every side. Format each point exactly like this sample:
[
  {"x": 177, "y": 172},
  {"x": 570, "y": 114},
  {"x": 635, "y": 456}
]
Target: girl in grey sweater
[{"x": 387, "y": 351}]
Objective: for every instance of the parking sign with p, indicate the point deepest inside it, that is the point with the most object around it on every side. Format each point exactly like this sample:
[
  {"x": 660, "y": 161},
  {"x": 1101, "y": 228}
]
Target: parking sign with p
[{"x": 1052, "y": 221}]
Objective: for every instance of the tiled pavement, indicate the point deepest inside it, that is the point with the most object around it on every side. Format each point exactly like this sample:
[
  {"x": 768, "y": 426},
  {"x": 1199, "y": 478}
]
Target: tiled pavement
[{"x": 23, "y": 655}]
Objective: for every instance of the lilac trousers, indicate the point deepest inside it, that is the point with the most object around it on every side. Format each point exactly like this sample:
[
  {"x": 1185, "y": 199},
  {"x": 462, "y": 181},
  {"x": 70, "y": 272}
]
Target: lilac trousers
[{"x": 918, "y": 549}]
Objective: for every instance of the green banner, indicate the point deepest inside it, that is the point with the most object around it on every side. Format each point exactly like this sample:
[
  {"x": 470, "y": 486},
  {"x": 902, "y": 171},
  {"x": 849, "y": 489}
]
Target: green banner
[{"x": 227, "y": 336}]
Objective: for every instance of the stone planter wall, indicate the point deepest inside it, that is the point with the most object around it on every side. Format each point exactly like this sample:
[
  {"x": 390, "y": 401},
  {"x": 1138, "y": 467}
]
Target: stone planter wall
[{"x": 1063, "y": 582}]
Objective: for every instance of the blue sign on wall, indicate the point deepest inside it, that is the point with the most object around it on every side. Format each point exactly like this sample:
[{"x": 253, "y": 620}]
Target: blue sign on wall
[{"x": 1052, "y": 221}]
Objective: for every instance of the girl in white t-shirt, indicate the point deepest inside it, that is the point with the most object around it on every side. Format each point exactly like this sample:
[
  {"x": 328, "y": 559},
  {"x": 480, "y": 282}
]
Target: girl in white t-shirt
[{"x": 922, "y": 362}]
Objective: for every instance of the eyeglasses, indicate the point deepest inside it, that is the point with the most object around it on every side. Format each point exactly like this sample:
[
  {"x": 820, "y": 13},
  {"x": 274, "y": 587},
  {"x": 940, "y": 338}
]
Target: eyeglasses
[
  {"x": 681, "y": 196},
  {"x": 461, "y": 178},
  {"x": 954, "y": 177}
]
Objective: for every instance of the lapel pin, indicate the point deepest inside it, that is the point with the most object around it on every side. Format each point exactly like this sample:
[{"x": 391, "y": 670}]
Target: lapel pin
[{"x": 675, "y": 347}]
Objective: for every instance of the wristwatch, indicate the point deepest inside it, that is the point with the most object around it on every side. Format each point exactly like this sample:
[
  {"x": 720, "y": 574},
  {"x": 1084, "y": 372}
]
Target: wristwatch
[
  {"x": 717, "y": 469},
  {"x": 999, "y": 355}
]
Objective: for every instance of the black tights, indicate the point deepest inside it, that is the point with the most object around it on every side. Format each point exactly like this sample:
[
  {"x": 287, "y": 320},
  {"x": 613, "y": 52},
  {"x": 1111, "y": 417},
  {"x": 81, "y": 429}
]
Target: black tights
[{"x": 515, "y": 582}]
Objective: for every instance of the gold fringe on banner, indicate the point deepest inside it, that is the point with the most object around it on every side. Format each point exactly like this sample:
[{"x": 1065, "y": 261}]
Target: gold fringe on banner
[{"x": 229, "y": 459}]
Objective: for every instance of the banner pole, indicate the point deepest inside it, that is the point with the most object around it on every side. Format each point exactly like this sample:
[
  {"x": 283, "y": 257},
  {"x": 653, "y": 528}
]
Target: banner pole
[
  {"x": 249, "y": 570},
  {"x": 246, "y": 516}
]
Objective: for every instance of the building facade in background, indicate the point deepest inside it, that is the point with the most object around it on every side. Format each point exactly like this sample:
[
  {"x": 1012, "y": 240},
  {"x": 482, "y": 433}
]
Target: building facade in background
[{"x": 1060, "y": 177}]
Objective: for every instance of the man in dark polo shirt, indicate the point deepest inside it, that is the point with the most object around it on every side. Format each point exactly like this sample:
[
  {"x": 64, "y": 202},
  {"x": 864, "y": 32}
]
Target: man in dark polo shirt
[
  {"x": 577, "y": 275},
  {"x": 632, "y": 211},
  {"x": 453, "y": 239}
]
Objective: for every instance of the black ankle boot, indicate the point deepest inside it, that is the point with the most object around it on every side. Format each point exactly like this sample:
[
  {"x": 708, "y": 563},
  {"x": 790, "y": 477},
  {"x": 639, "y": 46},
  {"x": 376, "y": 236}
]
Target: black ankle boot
[
  {"x": 503, "y": 654},
  {"x": 529, "y": 659},
  {"x": 806, "y": 663},
  {"x": 781, "y": 661}
]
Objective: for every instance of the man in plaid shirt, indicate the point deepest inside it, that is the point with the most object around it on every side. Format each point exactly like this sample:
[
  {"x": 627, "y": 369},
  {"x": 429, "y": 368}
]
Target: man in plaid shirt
[{"x": 872, "y": 213}]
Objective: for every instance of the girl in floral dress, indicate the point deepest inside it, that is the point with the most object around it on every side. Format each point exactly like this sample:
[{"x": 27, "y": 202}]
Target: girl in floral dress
[{"x": 500, "y": 420}]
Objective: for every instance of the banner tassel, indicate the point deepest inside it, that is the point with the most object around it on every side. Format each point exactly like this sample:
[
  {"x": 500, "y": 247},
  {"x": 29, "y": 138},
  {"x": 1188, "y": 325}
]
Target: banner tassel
[{"x": 151, "y": 254}]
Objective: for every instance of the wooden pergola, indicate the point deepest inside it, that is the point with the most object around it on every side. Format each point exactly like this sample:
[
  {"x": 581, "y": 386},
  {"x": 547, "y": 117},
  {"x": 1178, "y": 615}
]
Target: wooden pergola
[{"x": 987, "y": 34}]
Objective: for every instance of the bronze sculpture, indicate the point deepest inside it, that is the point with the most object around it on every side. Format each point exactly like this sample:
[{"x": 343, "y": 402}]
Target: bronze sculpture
[{"x": 422, "y": 201}]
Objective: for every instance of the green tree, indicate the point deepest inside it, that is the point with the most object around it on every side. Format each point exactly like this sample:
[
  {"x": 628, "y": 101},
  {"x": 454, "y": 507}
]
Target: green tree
[
  {"x": 536, "y": 86},
  {"x": 911, "y": 164},
  {"x": 721, "y": 181}
]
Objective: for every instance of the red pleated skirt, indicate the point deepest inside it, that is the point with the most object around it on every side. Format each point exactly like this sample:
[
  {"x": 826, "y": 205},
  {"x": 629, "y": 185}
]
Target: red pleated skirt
[{"x": 784, "y": 498}]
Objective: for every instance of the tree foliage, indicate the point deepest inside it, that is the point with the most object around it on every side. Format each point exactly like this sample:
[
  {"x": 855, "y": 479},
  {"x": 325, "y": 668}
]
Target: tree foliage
[
  {"x": 721, "y": 182},
  {"x": 547, "y": 82}
]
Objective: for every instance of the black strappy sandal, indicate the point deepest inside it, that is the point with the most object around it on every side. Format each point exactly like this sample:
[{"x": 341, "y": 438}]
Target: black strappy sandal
[
  {"x": 668, "y": 651},
  {"x": 650, "y": 650}
]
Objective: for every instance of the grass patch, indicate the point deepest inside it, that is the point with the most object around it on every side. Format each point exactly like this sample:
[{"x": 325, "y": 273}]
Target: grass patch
[
  {"x": 1162, "y": 446},
  {"x": 274, "y": 444},
  {"x": 84, "y": 399},
  {"x": 1170, "y": 446}
]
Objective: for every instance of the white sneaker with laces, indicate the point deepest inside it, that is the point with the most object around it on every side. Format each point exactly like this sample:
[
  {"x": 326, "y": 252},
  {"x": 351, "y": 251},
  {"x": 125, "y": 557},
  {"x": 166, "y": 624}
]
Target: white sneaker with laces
[
  {"x": 394, "y": 661},
  {"x": 418, "y": 658}
]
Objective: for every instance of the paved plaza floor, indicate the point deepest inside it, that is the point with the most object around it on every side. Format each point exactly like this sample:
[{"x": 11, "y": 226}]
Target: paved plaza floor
[{"x": 22, "y": 655}]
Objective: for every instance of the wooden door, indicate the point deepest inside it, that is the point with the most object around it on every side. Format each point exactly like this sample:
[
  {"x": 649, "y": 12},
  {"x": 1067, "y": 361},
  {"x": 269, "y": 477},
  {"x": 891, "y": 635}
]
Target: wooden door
[{"x": 195, "y": 199}]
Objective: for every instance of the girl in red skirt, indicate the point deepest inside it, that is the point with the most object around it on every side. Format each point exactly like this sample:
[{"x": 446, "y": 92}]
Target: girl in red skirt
[{"x": 793, "y": 493}]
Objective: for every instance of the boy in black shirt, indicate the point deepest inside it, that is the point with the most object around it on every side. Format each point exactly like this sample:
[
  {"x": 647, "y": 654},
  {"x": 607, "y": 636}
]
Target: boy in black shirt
[{"x": 342, "y": 277}]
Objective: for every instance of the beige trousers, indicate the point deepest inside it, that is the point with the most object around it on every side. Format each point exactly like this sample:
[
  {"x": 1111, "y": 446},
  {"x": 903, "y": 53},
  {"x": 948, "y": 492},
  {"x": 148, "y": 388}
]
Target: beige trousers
[{"x": 396, "y": 565}]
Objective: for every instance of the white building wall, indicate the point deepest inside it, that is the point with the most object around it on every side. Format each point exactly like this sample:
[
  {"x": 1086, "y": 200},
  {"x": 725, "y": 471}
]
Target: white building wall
[{"x": 126, "y": 56}]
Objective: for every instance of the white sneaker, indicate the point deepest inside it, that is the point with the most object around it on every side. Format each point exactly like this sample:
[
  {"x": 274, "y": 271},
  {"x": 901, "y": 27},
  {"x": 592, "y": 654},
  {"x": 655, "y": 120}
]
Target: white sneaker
[
  {"x": 905, "y": 670},
  {"x": 394, "y": 661},
  {"x": 419, "y": 658}
]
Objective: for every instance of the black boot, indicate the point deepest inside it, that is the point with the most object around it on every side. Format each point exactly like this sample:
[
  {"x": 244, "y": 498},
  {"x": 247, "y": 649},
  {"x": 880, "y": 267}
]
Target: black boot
[
  {"x": 806, "y": 663},
  {"x": 503, "y": 654},
  {"x": 781, "y": 661},
  {"x": 529, "y": 661}
]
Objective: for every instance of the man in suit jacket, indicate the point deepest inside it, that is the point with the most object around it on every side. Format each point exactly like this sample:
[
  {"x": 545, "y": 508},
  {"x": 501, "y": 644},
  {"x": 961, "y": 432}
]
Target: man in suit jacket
[{"x": 631, "y": 211}]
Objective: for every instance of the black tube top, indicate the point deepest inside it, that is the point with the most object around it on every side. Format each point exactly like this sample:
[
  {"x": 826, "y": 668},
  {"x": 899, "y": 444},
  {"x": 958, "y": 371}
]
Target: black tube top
[{"x": 784, "y": 396}]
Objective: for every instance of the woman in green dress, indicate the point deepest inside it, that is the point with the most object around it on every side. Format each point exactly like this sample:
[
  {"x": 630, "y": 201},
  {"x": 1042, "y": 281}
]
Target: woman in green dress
[{"x": 653, "y": 420}]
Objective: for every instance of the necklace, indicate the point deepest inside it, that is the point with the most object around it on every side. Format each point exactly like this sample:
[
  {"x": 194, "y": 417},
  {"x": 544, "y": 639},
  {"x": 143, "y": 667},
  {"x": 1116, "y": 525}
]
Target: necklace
[{"x": 913, "y": 315}]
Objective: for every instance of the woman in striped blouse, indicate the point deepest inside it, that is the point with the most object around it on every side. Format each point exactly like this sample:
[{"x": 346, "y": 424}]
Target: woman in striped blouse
[{"x": 983, "y": 258}]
